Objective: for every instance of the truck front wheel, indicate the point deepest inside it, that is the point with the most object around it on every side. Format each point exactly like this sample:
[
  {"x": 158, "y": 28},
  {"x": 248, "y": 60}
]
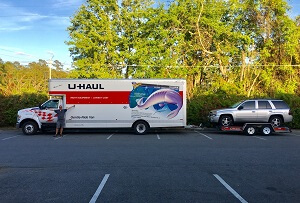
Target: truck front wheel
[
  {"x": 140, "y": 128},
  {"x": 29, "y": 128}
]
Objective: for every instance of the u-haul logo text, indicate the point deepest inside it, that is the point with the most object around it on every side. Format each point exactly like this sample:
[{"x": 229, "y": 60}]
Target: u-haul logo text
[{"x": 85, "y": 86}]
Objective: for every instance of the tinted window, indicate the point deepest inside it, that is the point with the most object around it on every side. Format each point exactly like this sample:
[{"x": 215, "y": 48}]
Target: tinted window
[
  {"x": 264, "y": 105},
  {"x": 249, "y": 105},
  {"x": 280, "y": 105}
]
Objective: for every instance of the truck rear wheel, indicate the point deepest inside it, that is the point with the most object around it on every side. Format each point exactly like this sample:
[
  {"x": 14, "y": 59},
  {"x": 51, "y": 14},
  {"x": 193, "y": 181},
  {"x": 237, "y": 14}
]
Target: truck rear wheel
[
  {"x": 29, "y": 128},
  {"x": 140, "y": 127}
]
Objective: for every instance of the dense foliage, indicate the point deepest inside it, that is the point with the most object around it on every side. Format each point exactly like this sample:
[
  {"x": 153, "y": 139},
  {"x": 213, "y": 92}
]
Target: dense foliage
[
  {"x": 23, "y": 87},
  {"x": 227, "y": 50}
]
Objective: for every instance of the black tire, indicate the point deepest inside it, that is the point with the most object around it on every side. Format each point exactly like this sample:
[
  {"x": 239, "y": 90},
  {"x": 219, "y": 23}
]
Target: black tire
[
  {"x": 225, "y": 121},
  {"x": 266, "y": 130},
  {"x": 29, "y": 128},
  {"x": 140, "y": 127},
  {"x": 250, "y": 130},
  {"x": 276, "y": 121}
]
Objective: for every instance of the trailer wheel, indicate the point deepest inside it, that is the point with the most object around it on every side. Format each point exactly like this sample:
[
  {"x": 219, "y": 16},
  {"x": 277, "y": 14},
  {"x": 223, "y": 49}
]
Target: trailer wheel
[
  {"x": 29, "y": 128},
  {"x": 250, "y": 130},
  {"x": 140, "y": 127},
  {"x": 266, "y": 130}
]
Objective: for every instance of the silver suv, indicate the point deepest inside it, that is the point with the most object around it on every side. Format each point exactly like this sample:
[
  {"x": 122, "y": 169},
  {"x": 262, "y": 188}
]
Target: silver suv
[{"x": 271, "y": 111}]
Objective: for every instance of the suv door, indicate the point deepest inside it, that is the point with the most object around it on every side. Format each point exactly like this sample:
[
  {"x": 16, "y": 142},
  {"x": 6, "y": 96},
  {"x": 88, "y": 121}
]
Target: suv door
[
  {"x": 264, "y": 111},
  {"x": 247, "y": 113}
]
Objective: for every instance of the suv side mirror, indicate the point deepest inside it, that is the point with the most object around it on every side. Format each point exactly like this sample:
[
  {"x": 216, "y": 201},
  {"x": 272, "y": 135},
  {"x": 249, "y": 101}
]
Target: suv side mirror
[{"x": 240, "y": 107}]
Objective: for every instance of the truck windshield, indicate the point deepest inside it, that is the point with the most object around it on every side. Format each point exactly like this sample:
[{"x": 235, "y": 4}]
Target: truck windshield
[
  {"x": 236, "y": 104},
  {"x": 50, "y": 104}
]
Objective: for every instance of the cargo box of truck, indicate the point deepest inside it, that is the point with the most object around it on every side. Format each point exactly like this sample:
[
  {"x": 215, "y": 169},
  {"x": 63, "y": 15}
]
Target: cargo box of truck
[{"x": 139, "y": 104}]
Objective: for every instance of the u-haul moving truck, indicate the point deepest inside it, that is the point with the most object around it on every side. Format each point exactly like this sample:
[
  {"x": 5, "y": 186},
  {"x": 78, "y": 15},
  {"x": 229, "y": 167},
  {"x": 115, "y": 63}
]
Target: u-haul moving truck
[{"x": 136, "y": 103}]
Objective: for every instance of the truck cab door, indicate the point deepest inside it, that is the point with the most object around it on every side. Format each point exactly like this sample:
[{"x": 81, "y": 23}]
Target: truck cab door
[{"x": 46, "y": 113}]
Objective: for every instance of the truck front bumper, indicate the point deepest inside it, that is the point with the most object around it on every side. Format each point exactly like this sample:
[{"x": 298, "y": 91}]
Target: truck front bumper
[{"x": 17, "y": 125}]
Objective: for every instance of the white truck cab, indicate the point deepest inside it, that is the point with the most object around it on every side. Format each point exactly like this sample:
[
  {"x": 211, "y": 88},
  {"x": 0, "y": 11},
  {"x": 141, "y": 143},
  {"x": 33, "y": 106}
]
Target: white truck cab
[{"x": 38, "y": 118}]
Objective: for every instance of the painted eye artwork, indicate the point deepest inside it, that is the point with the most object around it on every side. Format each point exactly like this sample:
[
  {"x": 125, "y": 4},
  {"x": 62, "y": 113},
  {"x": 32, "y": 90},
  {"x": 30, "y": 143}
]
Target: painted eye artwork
[{"x": 165, "y": 101}]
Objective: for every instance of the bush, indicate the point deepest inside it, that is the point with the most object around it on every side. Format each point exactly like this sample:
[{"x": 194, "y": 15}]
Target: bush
[{"x": 10, "y": 105}]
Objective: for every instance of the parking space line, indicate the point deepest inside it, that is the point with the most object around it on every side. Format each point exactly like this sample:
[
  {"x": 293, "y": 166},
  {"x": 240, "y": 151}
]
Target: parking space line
[
  {"x": 260, "y": 138},
  {"x": 230, "y": 188},
  {"x": 98, "y": 191},
  {"x": 203, "y": 135},
  {"x": 158, "y": 136},
  {"x": 109, "y": 136},
  {"x": 10, "y": 137}
]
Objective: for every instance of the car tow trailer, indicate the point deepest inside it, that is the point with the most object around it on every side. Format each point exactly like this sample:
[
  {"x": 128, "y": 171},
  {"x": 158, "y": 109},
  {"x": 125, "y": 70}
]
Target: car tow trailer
[{"x": 254, "y": 128}]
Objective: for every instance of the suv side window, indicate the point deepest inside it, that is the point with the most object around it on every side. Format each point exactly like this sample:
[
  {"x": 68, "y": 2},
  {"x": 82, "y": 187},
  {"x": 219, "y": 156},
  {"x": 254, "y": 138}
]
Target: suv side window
[
  {"x": 249, "y": 105},
  {"x": 50, "y": 104},
  {"x": 264, "y": 105},
  {"x": 280, "y": 105}
]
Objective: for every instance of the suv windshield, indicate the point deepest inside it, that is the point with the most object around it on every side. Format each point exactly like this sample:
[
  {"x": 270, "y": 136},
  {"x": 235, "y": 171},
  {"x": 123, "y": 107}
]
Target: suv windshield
[{"x": 236, "y": 104}]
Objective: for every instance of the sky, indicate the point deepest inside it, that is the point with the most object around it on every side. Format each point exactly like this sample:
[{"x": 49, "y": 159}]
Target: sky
[{"x": 37, "y": 29}]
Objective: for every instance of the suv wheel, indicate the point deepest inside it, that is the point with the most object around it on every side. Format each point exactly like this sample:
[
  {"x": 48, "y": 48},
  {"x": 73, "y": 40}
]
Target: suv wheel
[
  {"x": 225, "y": 121},
  {"x": 276, "y": 121}
]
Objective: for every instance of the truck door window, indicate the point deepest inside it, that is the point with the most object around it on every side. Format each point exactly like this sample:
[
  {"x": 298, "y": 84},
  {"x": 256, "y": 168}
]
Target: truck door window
[
  {"x": 249, "y": 105},
  {"x": 51, "y": 104}
]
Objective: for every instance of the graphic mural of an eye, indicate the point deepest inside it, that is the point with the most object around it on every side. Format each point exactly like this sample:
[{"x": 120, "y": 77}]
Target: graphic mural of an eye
[{"x": 160, "y": 99}]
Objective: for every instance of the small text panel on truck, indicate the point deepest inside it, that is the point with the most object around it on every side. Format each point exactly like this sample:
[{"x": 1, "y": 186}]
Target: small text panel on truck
[{"x": 139, "y": 104}]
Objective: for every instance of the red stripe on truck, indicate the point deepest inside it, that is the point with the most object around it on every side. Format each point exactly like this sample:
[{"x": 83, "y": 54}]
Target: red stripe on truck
[{"x": 96, "y": 97}]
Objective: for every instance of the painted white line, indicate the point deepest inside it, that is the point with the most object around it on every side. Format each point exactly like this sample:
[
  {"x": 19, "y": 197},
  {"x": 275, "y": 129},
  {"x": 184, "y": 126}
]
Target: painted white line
[
  {"x": 158, "y": 136},
  {"x": 10, "y": 137},
  {"x": 97, "y": 193},
  {"x": 203, "y": 135},
  {"x": 57, "y": 138},
  {"x": 110, "y": 136},
  {"x": 260, "y": 138},
  {"x": 230, "y": 188}
]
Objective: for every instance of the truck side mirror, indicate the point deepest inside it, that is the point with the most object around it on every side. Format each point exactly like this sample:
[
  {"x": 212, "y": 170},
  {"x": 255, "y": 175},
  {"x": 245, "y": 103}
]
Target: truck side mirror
[
  {"x": 40, "y": 106},
  {"x": 240, "y": 107}
]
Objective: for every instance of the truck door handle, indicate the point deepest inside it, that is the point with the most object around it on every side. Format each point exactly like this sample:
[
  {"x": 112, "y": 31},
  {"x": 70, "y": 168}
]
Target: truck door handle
[
  {"x": 253, "y": 111},
  {"x": 270, "y": 111}
]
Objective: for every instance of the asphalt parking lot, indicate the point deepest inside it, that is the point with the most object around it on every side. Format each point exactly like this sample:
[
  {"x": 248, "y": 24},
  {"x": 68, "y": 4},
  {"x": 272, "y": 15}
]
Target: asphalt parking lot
[{"x": 162, "y": 166}]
